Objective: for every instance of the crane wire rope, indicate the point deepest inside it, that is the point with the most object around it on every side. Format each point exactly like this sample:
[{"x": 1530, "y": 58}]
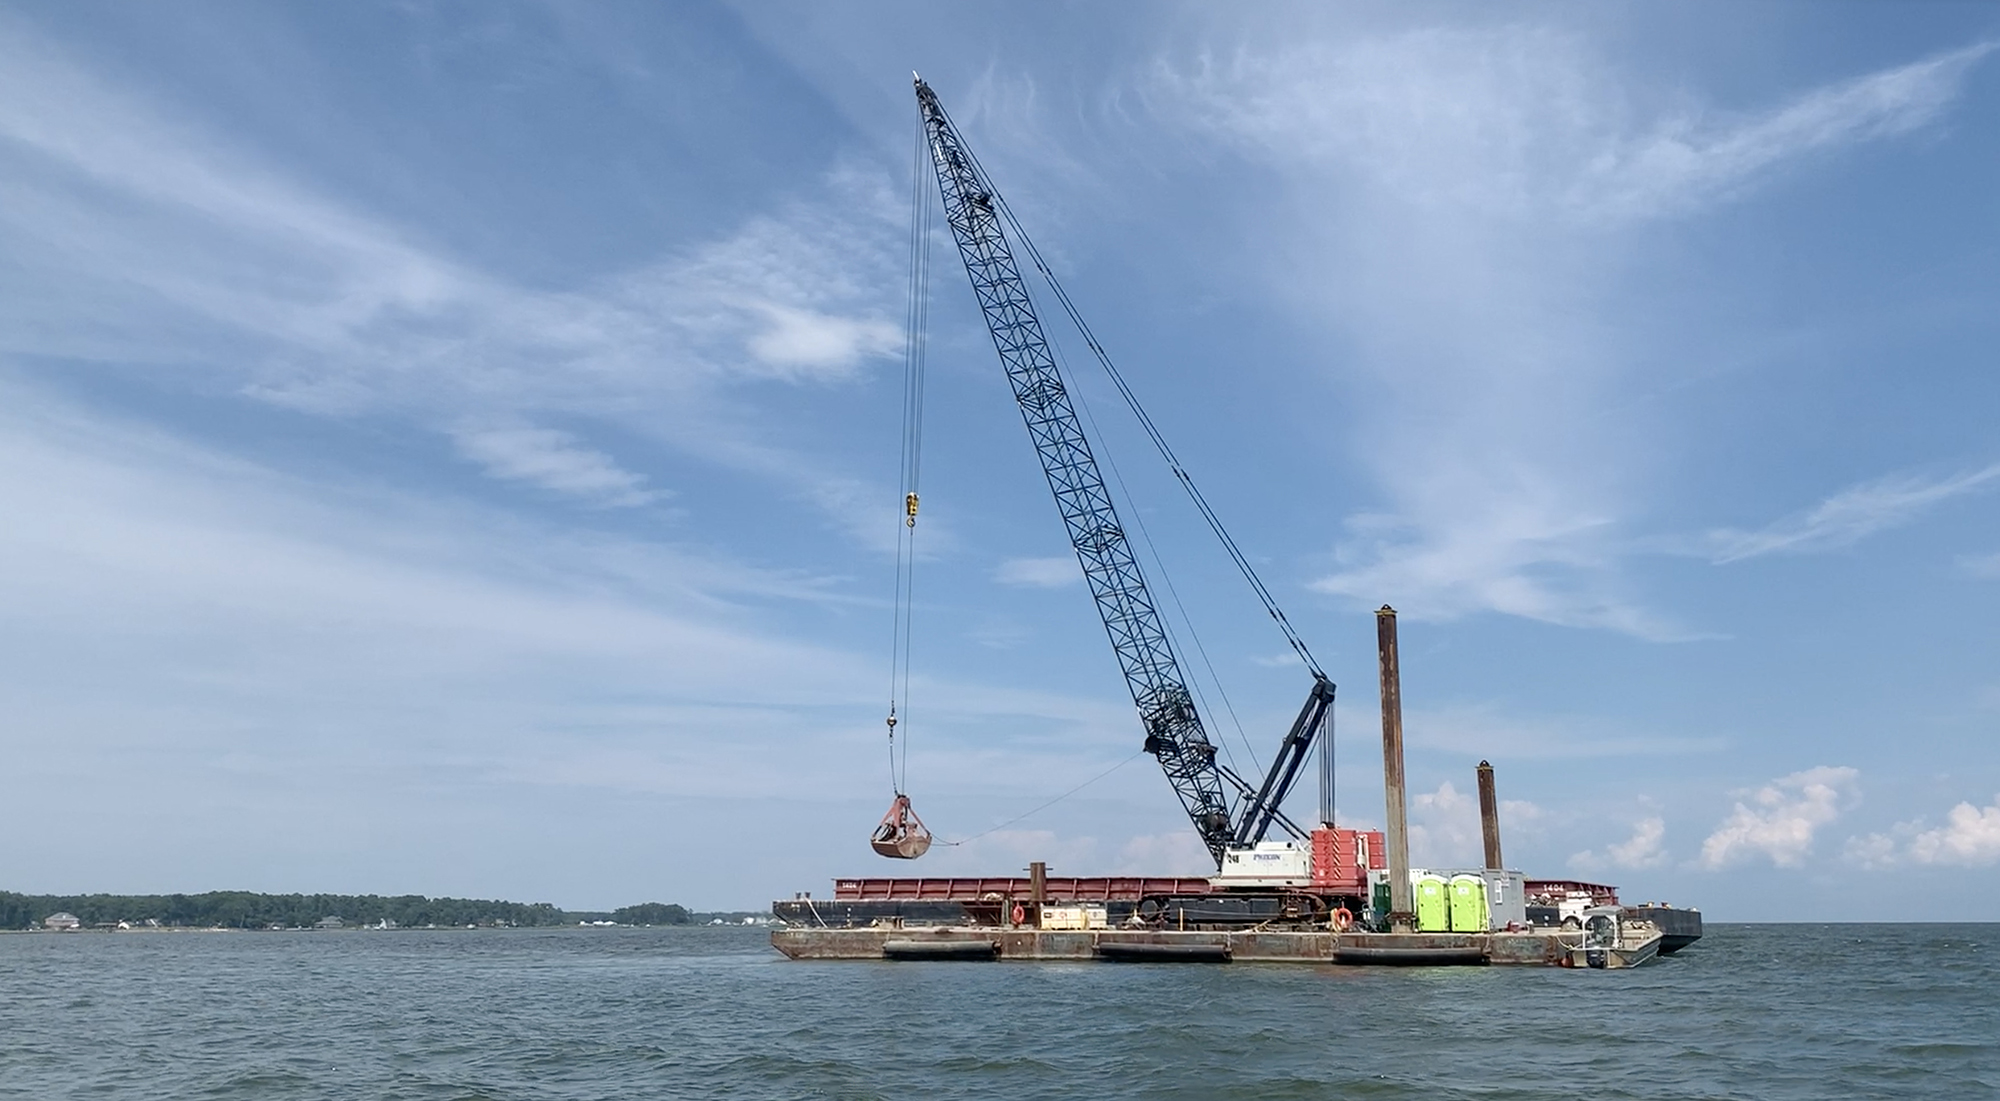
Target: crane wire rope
[
  {"x": 1173, "y": 461},
  {"x": 916, "y": 320},
  {"x": 1159, "y": 564},
  {"x": 1125, "y": 391},
  {"x": 1047, "y": 805}
]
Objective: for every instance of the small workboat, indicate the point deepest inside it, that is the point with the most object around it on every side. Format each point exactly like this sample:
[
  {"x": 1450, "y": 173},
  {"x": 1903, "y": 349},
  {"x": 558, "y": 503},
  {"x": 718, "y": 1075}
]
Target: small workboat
[{"x": 1611, "y": 941}]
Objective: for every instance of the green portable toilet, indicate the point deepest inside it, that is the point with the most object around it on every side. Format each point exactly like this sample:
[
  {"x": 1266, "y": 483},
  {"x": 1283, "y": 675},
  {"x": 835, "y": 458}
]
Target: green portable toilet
[
  {"x": 1433, "y": 905},
  {"x": 1468, "y": 904}
]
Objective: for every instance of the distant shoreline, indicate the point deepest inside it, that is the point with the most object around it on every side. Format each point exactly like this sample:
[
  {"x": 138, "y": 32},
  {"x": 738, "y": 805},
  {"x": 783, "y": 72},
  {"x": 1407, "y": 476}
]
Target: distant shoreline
[
  {"x": 262, "y": 912},
  {"x": 756, "y": 920}
]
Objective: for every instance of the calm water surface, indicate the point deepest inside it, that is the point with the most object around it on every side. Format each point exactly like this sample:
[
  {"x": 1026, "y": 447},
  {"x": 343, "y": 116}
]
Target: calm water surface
[{"x": 1751, "y": 1012}]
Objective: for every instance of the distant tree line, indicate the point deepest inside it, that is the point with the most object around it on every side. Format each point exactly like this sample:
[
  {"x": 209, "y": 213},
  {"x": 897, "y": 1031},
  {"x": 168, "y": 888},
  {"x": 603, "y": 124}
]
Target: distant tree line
[{"x": 249, "y": 910}]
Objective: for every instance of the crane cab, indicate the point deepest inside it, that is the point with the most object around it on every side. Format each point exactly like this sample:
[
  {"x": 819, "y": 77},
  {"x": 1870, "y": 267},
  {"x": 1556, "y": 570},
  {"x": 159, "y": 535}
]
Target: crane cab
[
  {"x": 1335, "y": 860},
  {"x": 1265, "y": 864}
]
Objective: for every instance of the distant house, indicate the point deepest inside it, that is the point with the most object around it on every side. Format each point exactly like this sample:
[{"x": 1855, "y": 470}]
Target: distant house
[
  {"x": 62, "y": 920},
  {"x": 329, "y": 923}
]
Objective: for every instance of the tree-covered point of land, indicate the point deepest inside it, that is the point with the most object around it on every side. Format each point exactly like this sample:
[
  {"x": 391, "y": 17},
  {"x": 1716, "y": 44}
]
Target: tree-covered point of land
[{"x": 652, "y": 913}]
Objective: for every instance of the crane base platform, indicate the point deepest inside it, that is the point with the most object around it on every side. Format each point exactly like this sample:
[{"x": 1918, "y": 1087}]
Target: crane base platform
[{"x": 987, "y": 943}]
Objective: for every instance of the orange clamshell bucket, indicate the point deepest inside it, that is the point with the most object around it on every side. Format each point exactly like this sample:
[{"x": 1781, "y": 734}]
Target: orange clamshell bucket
[{"x": 901, "y": 836}]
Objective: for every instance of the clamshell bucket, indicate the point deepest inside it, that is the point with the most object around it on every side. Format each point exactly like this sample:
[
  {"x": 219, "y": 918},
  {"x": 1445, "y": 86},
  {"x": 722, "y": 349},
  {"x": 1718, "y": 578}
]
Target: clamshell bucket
[{"x": 901, "y": 836}]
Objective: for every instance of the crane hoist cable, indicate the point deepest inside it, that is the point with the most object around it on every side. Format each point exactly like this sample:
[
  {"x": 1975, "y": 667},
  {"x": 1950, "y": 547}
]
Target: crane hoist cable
[{"x": 901, "y": 834}]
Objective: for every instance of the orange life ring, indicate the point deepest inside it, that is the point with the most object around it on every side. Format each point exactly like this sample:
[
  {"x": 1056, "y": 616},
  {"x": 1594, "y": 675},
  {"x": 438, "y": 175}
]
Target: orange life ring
[
  {"x": 1020, "y": 913},
  {"x": 1342, "y": 920}
]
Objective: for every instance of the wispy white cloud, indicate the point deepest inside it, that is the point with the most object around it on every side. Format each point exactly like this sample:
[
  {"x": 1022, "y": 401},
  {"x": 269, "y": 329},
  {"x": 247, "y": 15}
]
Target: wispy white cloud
[
  {"x": 1521, "y": 119},
  {"x": 1000, "y": 633},
  {"x": 1970, "y": 837},
  {"x": 1778, "y": 820},
  {"x": 554, "y": 460},
  {"x": 1987, "y": 565},
  {"x": 1688, "y": 160},
  {"x": 1644, "y": 849},
  {"x": 1038, "y": 573},
  {"x": 203, "y": 255},
  {"x": 182, "y": 597},
  {"x": 1526, "y": 562},
  {"x": 1465, "y": 198},
  {"x": 802, "y": 341},
  {"x": 1850, "y": 515},
  {"x": 1486, "y": 730}
]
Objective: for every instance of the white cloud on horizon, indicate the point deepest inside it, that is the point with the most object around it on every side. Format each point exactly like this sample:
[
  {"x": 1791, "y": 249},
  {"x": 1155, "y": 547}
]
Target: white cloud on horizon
[
  {"x": 1850, "y": 515},
  {"x": 1778, "y": 820},
  {"x": 1969, "y": 838},
  {"x": 1873, "y": 852},
  {"x": 1445, "y": 830},
  {"x": 1644, "y": 849}
]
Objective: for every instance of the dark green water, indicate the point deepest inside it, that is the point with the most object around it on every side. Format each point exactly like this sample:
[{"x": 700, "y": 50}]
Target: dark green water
[{"x": 1751, "y": 1012}]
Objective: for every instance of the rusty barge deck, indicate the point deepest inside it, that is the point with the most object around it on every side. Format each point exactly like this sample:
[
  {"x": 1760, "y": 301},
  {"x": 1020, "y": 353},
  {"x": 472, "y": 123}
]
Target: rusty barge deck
[{"x": 1544, "y": 948}]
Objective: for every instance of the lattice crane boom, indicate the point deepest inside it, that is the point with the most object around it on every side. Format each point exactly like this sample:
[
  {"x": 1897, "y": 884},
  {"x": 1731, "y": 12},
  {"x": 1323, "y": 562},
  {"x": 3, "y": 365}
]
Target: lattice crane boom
[{"x": 1174, "y": 732}]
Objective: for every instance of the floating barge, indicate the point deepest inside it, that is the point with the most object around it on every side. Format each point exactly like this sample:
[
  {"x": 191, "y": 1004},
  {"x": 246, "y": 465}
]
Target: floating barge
[
  {"x": 1166, "y": 903},
  {"x": 1333, "y": 896},
  {"x": 1184, "y": 919},
  {"x": 1635, "y": 944}
]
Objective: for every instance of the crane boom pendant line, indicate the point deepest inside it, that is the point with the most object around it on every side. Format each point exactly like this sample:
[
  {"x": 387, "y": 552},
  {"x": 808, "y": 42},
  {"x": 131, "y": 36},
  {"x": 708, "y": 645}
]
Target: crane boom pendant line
[{"x": 1174, "y": 732}]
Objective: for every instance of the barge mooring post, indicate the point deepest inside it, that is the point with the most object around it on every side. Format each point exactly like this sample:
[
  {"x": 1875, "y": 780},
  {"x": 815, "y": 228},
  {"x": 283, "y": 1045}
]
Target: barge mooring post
[
  {"x": 1489, "y": 816},
  {"x": 1402, "y": 915}
]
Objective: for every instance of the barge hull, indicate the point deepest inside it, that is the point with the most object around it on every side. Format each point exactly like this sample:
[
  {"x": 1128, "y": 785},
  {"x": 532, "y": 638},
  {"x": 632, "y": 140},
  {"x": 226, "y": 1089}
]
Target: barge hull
[
  {"x": 1678, "y": 927},
  {"x": 1542, "y": 949}
]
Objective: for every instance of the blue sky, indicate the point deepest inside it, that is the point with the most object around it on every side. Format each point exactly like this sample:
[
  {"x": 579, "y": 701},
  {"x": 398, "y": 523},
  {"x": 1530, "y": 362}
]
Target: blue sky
[{"x": 452, "y": 448}]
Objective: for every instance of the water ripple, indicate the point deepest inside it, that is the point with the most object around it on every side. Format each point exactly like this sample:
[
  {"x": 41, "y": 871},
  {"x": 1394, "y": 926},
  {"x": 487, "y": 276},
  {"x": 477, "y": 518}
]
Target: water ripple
[{"x": 1753, "y": 1012}]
